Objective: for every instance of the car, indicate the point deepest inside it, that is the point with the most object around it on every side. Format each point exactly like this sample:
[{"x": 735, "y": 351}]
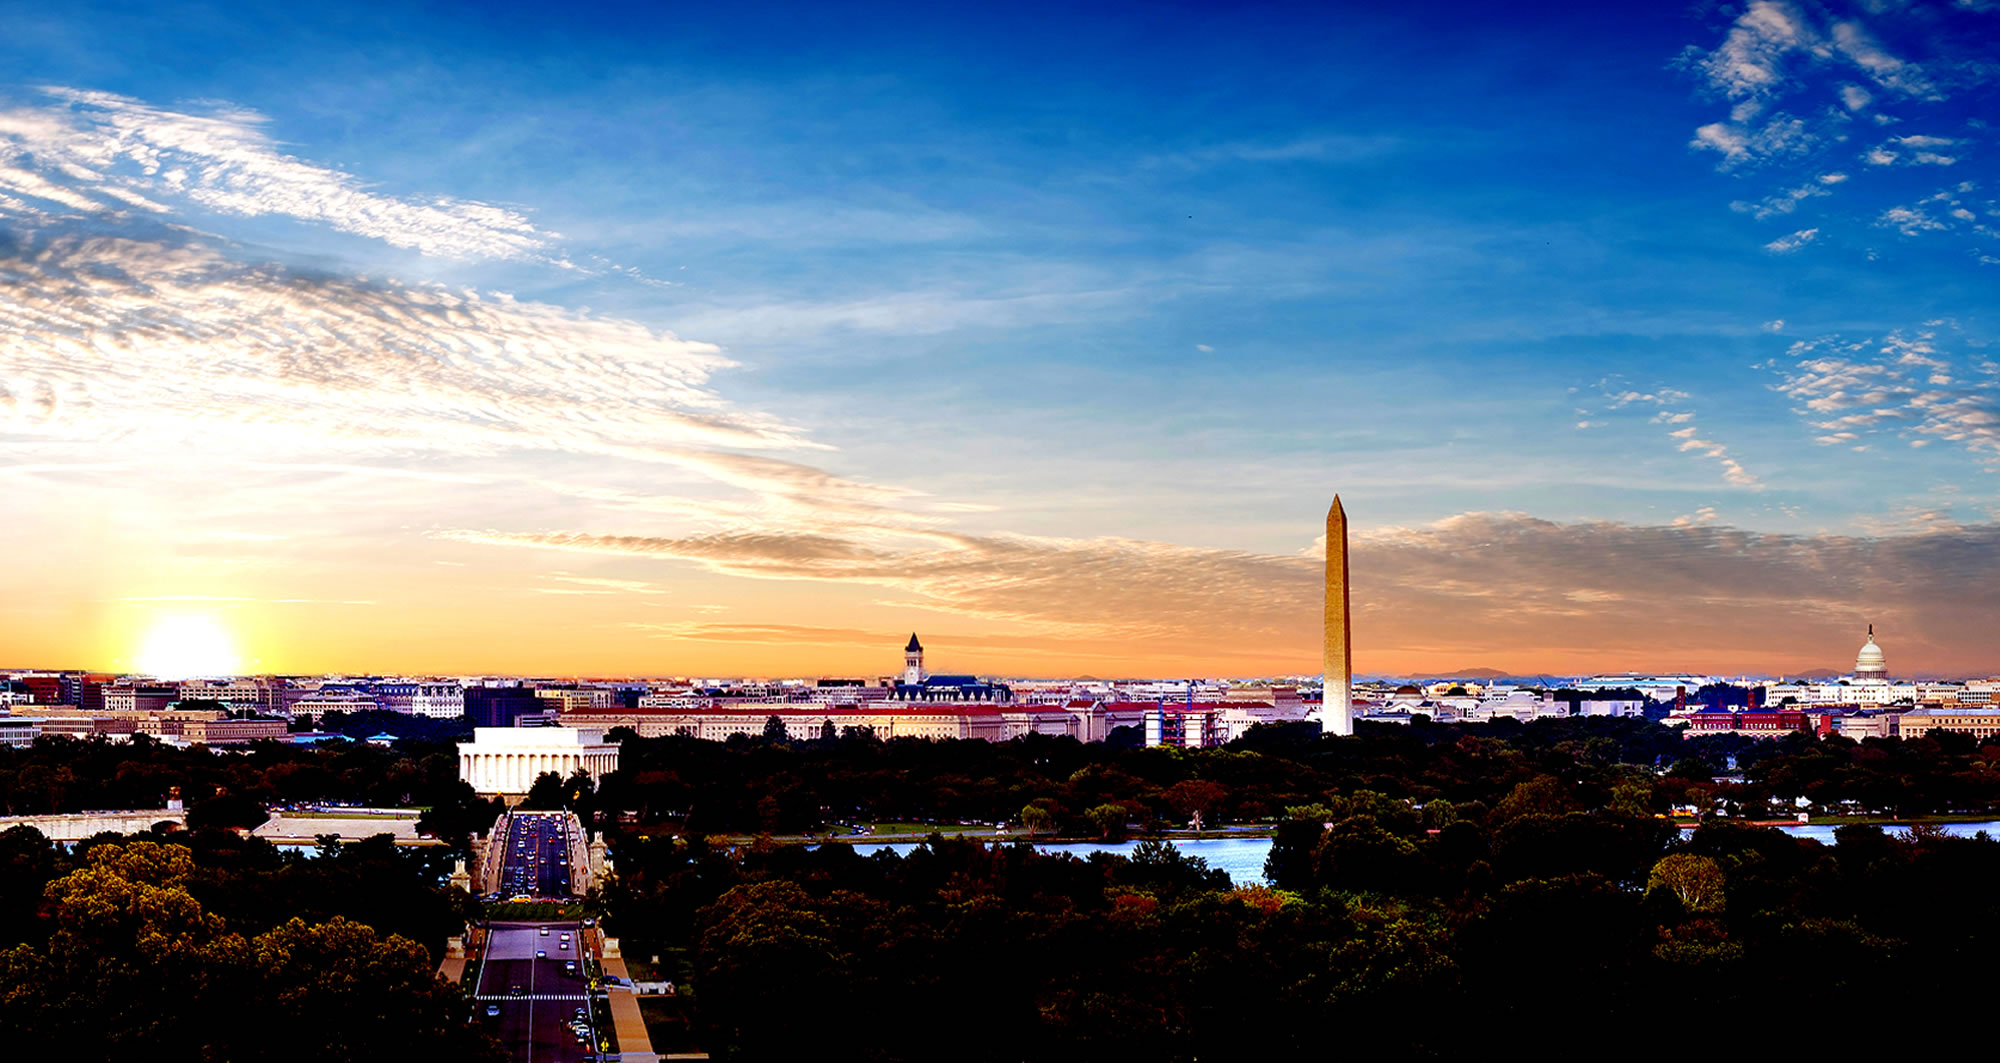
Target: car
[
  {"x": 545, "y": 931},
  {"x": 564, "y": 946},
  {"x": 569, "y": 966},
  {"x": 541, "y": 954},
  {"x": 516, "y": 991},
  {"x": 492, "y": 1010}
]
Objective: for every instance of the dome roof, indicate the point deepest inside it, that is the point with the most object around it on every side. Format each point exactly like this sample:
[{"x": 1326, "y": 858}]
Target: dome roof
[{"x": 1871, "y": 661}]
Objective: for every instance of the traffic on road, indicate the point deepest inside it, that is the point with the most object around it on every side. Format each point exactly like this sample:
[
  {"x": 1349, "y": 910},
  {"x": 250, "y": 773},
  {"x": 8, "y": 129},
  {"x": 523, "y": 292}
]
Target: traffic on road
[{"x": 533, "y": 984}]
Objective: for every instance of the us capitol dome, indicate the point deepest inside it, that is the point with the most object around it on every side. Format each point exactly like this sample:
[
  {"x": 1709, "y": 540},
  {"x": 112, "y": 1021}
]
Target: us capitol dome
[{"x": 1870, "y": 663}]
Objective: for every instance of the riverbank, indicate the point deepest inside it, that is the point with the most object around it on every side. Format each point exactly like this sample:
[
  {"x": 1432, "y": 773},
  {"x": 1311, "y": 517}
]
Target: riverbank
[{"x": 981, "y": 834}]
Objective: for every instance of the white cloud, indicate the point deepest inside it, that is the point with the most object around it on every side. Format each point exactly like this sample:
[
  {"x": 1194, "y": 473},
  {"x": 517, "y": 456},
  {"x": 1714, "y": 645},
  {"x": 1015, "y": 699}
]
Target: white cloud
[
  {"x": 1739, "y": 145},
  {"x": 1776, "y": 325},
  {"x": 1854, "y": 41},
  {"x": 1732, "y": 471},
  {"x": 1904, "y": 383},
  {"x": 1784, "y": 202},
  {"x": 1909, "y": 221},
  {"x": 95, "y": 151},
  {"x": 1917, "y": 152},
  {"x": 156, "y": 341},
  {"x": 1787, "y": 244},
  {"x": 1750, "y": 61},
  {"x": 1827, "y": 69}
]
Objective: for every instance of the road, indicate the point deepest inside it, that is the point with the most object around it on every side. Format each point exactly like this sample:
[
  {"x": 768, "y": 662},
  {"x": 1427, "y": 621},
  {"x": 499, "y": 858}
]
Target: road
[
  {"x": 537, "y": 859},
  {"x": 536, "y": 997},
  {"x": 533, "y": 976}
]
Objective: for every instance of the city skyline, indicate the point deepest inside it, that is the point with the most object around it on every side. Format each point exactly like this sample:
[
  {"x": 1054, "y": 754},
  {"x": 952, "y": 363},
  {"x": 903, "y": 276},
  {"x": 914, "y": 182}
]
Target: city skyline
[{"x": 563, "y": 343}]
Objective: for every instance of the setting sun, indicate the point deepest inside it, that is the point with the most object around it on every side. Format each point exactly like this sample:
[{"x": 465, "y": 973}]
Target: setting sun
[{"x": 179, "y": 647}]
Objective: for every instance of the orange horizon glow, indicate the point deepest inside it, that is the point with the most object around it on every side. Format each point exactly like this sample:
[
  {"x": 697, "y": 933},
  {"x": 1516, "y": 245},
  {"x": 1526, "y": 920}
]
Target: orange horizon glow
[{"x": 261, "y": 640}]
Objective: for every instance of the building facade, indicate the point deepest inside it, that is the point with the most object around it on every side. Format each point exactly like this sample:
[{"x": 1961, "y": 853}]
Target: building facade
[{"x": 506, "y": 761}]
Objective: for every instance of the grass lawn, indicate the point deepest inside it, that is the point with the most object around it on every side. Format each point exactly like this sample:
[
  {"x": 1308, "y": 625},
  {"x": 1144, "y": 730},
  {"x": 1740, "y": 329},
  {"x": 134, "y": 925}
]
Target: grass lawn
[
  {"x": 1884, "y": 821},
  {"x": 925, "y": 829},
  {"x": 412, "y": 813}
]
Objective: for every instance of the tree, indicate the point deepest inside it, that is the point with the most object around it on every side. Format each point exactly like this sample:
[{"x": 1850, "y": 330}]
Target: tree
[
  {"x": 1036, "y": 818},
  {"x": 1632, "y": 799},
  {"x": 1161, "y": 865},
  {"x": 1194, "y": 797},
  {"x": 137, "y": 968},
  {"x": 324, "y": 977},
  {"x": 1697, "y": 881},
  {"x": 456, "y": 818},
  {"x": 1109, "y": 819},
  {"x": 774, "y": 729},
  {"x": 226, "y": 810},
  {"x": 1543, "y": 795},
  {"x": 760, "y": 949},
  {"x": 1290, "y": 865},
  {"x": 547, "y": 794}
]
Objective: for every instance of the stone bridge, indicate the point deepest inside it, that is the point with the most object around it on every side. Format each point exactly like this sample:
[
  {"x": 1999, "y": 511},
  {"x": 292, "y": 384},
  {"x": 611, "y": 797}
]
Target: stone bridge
[{"x": 76, "y": 826}]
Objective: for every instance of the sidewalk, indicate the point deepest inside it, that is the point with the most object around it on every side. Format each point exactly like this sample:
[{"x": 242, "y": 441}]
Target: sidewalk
[
  {"x": 456, "y": 961},
  {"x": 626, "y": 1022}
]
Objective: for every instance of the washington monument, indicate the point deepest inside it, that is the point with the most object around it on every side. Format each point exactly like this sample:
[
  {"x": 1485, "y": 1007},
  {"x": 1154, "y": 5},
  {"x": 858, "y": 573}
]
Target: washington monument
[{"x": 1336, "y": 714}]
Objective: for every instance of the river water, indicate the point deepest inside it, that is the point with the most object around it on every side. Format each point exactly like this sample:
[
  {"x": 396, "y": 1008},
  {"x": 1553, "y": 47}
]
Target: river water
[{"x": 1243, "y": 858}]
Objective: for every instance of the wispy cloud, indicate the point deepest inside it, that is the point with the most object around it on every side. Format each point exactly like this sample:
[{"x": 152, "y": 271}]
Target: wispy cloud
[
  {"x": 607, "y": 585},
  {"x": 1315, "y": 148},
  {"x": 1905, "y": 383},
  {"x": 150, "y": 337},
  {"x": 95, "y": 151},
  {"x": 1785, "y": 245},
  {"x": 1751, "y": 60},
  {"x": 1464, "y": 581},
  {"x": 1787, "y": 201},
  {"x": 1685, "y": 439},
  {"x": 1136, "y": 588},
  {"x": 1803, "y": 80},
  {"x": 1537, "y": 592}
]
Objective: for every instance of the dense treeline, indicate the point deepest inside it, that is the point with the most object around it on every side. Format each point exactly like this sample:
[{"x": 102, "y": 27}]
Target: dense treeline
[
  {"x": 1434, "y": 894},
  {"x": 1052, "y": 785},
  {"x": 233, "y": 786},
  {"x": 210, "y": 946},
  {"x": 750, "y": 785},
  {"x": 1435, "y": 891},
  {"x": 1523, "y": 934}
]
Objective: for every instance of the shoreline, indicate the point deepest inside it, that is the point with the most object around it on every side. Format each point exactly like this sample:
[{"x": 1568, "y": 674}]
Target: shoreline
[{"x": 1268, "y": 831}]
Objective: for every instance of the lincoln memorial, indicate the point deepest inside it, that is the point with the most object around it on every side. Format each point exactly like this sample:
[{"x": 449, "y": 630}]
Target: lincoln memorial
[{"x": 507, "y": 760}]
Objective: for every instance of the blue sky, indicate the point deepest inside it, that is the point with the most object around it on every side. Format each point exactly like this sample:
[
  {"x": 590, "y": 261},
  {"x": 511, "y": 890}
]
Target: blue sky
[{"x": 1144, "y": 283}]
